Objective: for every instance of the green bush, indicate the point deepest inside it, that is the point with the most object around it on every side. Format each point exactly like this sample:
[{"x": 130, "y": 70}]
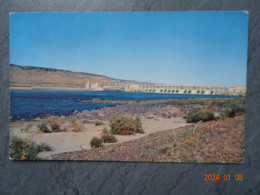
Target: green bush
[
  {"x": 123, "y": 125},
  {"x": 202, "y": 115},
  {"x": 109, "y": 138},
  {"x": 55, "y": 127},
  {"x": 43, "y": 147},
  {"x": 233, "y": 108},
  {"x": 23, "y": 149},
  {"x": 96, "y": 142},
  {"x": 43, "y": 128}
]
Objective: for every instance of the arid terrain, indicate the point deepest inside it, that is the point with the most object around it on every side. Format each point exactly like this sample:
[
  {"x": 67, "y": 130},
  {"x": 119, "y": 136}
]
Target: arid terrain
[
  {"x": 43, "y": 77},
  {"x": 167, "y": 136},
  {"x": 26, "y": 77},
  {"x": 212, "y": 142}
]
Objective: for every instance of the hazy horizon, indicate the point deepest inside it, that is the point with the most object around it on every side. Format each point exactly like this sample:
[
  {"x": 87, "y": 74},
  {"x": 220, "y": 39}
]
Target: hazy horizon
[{"x": 182, "y": 48}]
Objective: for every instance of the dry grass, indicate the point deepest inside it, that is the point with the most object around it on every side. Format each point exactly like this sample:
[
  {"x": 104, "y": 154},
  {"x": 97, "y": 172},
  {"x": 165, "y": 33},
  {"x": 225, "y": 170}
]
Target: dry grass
[
  {"x": 209, "y": 105},
  {"x": 176, "y": 111},
  {"x": 77, "y": 126}
]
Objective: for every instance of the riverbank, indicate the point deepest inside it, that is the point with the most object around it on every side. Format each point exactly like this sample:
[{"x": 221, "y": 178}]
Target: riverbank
[
  {"x": 77, "y": 130},
  {"x": 154, "y": 117}
]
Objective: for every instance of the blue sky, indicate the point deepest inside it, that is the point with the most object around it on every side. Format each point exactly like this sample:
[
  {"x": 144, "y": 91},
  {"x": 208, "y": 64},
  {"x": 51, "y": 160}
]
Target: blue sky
[{"x": 189, "y": 48}]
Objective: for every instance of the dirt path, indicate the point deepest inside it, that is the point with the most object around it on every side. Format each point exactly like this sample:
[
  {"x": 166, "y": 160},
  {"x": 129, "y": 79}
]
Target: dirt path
[{"x": 73, "y": 141}]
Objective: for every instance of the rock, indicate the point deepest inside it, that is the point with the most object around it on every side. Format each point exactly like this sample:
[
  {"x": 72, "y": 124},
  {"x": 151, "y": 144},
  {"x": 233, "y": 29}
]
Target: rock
[
  {"x": 84, "y": 121},
  {"x": 217, "y": 114}
]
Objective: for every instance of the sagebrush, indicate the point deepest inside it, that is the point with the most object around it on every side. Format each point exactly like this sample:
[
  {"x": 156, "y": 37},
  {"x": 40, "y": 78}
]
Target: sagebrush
[
  {"x": 125, "y": 125},
  {"x": 202, "y": 115},
  {"x": 108, "y": 137},
  {"x": 96, "y": 142},
  {"x": 43, "y": 128},
  {"x": 55, "y": 127},
  {"x": 233, "y": 108},
  {"x": 24, "y": 149}
]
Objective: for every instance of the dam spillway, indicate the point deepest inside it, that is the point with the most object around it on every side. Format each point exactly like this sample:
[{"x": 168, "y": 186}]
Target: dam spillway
[
  {"x": 181, "y": 89},
  {"x": 158, "y": 88},
  {"x": 185, "y": 89}
]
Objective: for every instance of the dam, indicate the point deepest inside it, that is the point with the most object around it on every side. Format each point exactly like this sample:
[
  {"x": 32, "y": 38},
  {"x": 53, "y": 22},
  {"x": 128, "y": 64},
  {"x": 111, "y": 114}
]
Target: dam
[
  {"x": 182, "y": 89},
  {"x": 155, "y": 88},
  {"x": 168, "y": 88},
  {"x": 185, "y": 89}
]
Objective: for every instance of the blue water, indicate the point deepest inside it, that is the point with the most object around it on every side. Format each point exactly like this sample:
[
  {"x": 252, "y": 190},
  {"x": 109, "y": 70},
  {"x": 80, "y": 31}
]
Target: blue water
[{"x": 31, "y": 104}]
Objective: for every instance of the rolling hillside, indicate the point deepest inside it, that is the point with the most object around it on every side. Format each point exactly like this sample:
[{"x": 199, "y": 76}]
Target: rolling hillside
[{"x": 29, "y": 76}]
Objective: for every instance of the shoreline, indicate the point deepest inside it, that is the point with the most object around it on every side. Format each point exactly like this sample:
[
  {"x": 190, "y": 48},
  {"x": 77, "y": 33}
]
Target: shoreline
[
  {"x": 177, "y": 101},
  {"x": 156, "y": 116},
  {"x": 30, "y": 88},
  {"x": 174, "y": 102}
]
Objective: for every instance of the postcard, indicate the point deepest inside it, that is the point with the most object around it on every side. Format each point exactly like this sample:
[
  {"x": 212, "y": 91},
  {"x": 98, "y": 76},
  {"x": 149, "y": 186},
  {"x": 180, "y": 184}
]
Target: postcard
[{"x": 128, "y": 86}]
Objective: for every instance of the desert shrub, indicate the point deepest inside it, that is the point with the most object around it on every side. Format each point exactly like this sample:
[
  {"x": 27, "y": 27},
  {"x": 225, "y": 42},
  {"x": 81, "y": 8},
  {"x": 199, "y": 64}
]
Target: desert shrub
[
  {"x": 96, "y": 142},
  {"x": 123, "y": 125},
  {"x": 23, "y": 149},
  {"x": 55, "y": 127},
  {"x": 108, "y": 137},
  {"x": 104, "y": 131},
  {"x": 27, "y": 128},
  {"x": 43, "y": 128},
  {"x": 97, "y": 123},
  {"x": 176, "y": 112},
  {"x": 202, "y": 115},
  {"x": 233, "y": 108},
  {"x": 43, "y": 147},
  {"x": 77, "y": 126},
  {"x": 209, "y": 105}
]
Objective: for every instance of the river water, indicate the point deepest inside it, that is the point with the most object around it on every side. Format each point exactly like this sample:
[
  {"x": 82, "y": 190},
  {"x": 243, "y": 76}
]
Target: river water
[{"x": 31, "y": 104}]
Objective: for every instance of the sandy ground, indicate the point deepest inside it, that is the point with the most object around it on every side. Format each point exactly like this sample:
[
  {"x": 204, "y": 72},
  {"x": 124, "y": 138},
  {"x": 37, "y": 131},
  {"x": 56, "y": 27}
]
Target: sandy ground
[{"x": 73, "y": 141}]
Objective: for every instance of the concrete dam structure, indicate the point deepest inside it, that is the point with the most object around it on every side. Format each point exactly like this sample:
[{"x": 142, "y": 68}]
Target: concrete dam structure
[
  {"x": 155, "y": 88},
  {"x": 185, "y": 89},
  {"x": 181, "y": 89}
]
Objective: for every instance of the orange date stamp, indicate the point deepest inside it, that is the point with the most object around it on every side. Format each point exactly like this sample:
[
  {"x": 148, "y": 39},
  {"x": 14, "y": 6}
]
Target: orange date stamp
[{"x": 225, "y": 177}]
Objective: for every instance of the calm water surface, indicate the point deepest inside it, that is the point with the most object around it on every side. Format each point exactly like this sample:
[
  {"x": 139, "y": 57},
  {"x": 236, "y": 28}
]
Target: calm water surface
[{"x": 31, "y": 104}]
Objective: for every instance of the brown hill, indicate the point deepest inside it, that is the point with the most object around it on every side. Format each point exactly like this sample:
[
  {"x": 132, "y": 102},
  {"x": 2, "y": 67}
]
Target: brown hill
[{"x": 29, "y": 76}]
